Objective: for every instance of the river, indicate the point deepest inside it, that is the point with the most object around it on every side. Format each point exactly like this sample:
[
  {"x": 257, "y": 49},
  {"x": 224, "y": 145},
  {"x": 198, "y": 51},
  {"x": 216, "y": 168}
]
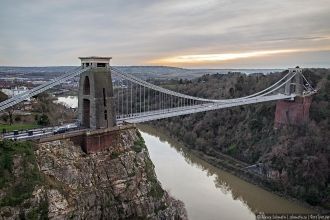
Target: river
[
  {"x": 208, "y": 192},
  {"x": 68, "y": 101}
]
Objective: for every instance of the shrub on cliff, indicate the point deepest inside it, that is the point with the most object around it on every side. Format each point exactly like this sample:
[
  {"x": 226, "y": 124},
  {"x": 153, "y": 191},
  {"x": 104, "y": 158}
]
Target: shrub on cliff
[{"x": 18, "y": 172}]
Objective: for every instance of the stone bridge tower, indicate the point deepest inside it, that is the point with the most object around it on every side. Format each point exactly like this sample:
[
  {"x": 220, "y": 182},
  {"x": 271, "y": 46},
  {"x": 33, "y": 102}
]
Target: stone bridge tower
[
  {"x": 295, "y": 112},
  {"x": 295, "y": 85},
  {"x": 95, "y": 104}
]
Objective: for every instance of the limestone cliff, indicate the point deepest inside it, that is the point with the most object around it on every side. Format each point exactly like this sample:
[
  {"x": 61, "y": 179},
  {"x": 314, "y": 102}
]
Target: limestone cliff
[{"x": 118, "y": 183}]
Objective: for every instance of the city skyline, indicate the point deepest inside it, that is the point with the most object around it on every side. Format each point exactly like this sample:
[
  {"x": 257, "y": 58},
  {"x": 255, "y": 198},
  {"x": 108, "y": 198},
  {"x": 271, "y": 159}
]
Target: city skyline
[{"x": 191, "y": 34}]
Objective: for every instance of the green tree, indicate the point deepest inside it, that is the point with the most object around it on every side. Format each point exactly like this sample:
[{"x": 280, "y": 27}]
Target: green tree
[
  {"x": 42, "y": 119},
  {"x": 10, "y": 110}
]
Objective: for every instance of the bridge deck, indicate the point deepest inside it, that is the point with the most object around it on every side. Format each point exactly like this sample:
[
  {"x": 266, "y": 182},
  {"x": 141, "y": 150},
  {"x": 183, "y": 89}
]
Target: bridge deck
[
  {"x": 84, "y": 132},
  {"x": 171, "y": 112}
]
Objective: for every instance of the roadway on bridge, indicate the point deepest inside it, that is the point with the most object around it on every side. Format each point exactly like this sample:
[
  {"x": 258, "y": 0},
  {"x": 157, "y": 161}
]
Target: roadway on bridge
[{"x": 40, "y": 132}]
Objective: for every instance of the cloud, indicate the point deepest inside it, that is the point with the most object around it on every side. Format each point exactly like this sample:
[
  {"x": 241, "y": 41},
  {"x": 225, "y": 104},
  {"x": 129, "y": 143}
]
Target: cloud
[{"x": 134, "y": 32}]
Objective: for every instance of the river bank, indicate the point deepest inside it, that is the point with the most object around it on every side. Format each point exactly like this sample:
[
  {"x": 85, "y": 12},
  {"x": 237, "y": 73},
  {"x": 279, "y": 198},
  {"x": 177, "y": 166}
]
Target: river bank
[{"x": 230, "y": 165}]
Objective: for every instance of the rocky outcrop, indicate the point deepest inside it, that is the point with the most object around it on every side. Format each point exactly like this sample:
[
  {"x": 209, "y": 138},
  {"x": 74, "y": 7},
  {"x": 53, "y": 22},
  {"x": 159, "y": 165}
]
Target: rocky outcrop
[{"x": 118, "y": 183}]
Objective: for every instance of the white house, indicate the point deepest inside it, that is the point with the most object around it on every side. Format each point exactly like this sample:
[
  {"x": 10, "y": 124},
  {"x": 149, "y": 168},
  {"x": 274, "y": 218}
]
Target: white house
[{"x": 15, "y": 91}]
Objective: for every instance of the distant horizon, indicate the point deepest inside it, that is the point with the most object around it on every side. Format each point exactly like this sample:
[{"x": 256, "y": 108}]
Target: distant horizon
[{"x": 178, "y": 67}]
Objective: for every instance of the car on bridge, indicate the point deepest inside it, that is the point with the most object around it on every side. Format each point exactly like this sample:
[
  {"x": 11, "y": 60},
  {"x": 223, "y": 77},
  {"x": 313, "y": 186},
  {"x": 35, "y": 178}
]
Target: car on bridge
[
  {"x": 63, "y": 129},
  {"x": 60, "y": 130}
]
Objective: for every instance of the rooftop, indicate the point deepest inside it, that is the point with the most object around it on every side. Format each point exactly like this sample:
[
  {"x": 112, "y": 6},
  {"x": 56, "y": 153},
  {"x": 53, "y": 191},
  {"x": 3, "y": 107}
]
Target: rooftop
[{"x": 95, "y": 57}]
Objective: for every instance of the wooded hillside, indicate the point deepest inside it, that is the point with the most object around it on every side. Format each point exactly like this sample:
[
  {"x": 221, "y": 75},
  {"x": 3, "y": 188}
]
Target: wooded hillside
[{"x": 298, "y": 155}]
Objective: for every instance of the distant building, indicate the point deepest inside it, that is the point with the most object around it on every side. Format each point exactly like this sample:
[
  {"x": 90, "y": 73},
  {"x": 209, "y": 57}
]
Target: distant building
[
  {"x": 38, "y": 82},
  {"x": 15, "y": 91}
]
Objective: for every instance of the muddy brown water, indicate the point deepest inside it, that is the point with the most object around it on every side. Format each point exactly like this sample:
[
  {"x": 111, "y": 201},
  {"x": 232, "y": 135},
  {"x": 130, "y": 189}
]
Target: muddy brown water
[{"x": 208, "y": 192}]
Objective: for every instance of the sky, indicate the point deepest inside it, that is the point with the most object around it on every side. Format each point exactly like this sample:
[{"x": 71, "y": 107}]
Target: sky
[{"x": 182, "y": 33}]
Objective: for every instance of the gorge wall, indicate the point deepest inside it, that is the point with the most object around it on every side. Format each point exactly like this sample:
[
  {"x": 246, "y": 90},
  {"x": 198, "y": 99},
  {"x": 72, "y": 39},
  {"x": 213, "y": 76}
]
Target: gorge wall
[{"x": 117, "y": 183}]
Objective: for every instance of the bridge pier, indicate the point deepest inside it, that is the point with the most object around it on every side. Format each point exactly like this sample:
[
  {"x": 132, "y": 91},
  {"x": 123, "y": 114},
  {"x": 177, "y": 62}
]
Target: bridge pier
[
  {"x": 91, "y": 141},
  {"x": 292, "y": 112},
  {"x": 101, "y": 139}
]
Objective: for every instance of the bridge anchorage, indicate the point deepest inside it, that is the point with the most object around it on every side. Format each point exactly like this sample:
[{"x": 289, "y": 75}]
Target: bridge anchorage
[{"x": 109, "y": 98}]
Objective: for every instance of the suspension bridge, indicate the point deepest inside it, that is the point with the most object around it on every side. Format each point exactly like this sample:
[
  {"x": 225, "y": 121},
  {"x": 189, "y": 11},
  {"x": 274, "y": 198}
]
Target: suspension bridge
[
  {"x": 110, "y": 97},
  {"x": 166, "y": 103}
]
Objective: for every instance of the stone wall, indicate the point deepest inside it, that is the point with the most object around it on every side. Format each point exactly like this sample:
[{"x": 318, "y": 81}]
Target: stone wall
[
  {"x": 94, "y": 142},
  {"x": 97, "y": 140},
  {"x": 91, "y": 141},
  {"x": 292, "y": 112}
]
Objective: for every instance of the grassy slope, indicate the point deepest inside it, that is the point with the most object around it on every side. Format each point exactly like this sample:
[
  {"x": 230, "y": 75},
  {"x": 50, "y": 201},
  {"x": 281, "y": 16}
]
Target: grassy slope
[{"x": 18, "y": 127}]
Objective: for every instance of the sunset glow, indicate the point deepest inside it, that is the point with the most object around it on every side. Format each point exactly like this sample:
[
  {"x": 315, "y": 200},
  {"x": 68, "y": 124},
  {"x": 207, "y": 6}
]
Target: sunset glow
[
  {"x": 222, "y": 57},
  {"x": 219, "y": 57}
]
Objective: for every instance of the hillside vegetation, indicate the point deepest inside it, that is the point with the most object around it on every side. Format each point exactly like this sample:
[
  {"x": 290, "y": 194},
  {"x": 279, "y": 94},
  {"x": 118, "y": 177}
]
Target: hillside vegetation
[{"x": 298, "y": 155}]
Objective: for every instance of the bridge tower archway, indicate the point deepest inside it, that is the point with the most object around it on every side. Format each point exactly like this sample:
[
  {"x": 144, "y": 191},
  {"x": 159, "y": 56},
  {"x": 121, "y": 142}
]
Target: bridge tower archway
[
  {"x": 87, "y": 87},
  {"x": 86, "y": 113}
]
